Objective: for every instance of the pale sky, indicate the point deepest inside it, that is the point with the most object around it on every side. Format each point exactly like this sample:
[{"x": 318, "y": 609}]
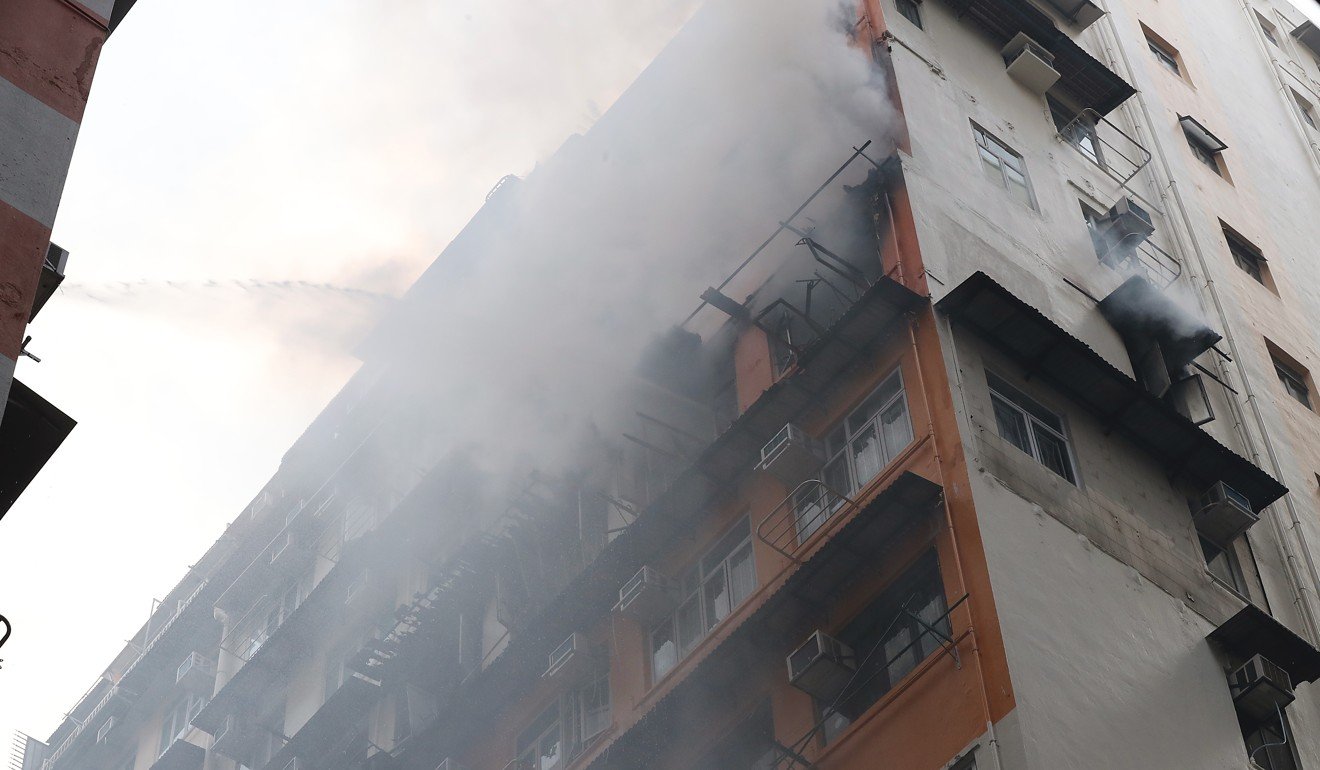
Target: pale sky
[
  {"x": 338, "y": 142},
  {"x": 229, "y": 149}
]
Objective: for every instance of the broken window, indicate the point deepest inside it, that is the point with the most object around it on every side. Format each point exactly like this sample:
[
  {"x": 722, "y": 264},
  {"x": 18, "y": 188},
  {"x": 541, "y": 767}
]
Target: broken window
[
  {"x": 1003, "y": 166},
  {"x": 1031, "y": 427}
]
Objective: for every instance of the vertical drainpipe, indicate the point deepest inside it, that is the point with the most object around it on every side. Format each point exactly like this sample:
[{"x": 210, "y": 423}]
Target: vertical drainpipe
[{"x": 1304, "y": 597}]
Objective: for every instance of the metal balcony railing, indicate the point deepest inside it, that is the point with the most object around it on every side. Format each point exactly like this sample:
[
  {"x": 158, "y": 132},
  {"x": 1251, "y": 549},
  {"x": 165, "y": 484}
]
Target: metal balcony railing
[
  {"x": 1106, "y": 146},
  {"x": 114, "y": 692},
  {"x": 799, "y": 515}
]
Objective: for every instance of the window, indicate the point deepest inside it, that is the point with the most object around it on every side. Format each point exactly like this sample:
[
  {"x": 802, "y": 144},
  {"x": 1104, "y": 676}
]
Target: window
[
  {"x": 565, "y": 728},
  {"x": 1294, "y": 381},
  {"x": 1271, "y": 745},
  {"x": 711, "y": 589},
  {"x": 1078, "y": 129},
  {"x": 1098, "y": 241},
  {"x": 750, "y": 746},
  {"x": 1223, "y": 564},
  {"x": 1031, "y": 427},
  {"x": 889, "y": 639},
  {"x": 1208, "y": 155},
  {"x": 911, "y": 10},
  {"x": 1003, "y": 166},
  {"x": 856, "y": 450},
  {"x": 1164, "y": 53},
  {"x": 1308, "y": 112},
  {"x": 1268, "y": 29},
  {"x": 1246, "y": 256},
  {"x": 177, "y": 721}
]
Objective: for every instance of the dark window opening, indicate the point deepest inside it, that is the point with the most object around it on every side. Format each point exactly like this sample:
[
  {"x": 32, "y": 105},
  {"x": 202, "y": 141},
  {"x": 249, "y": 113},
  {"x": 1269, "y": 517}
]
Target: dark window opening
[
  {"x": 1294, "y": 381},
  {"x": 1207, "y": 156},
  {"x": 1247, "y": 257},
  {"x": 1223, "y": 563},
  {"x": 751, "y": 746},
  {"x": 1270, "y": 745},
  {"x": 911, "y": 10},
  {"x": 1164, "y": 55},
  {"x": 889, "y": 643}
]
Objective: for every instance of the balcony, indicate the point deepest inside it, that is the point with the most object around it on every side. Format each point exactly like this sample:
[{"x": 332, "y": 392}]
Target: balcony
[
  {"x": 1044, "y": 349},
  {"x": 320, "y": 736},
  {"x": 181, "y": 755}
]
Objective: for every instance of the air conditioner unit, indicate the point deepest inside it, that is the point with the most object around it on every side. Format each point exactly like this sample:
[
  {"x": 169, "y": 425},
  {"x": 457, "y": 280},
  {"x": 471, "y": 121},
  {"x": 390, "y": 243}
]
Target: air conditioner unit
[
  {"x": 1030, "y": 64},
  {"x": 105, "y": 729},
  {"x": 1260, "y": 688},
  {"x": 821, "y": 667},
  {"x": 1222, "y": 514},
  {"x": 791, "y": 456},
  {"x": 1123, "y": 228},
  {"x": 196, "y": 673},
  {"x": 647, "y": 596},
  {"x": 449, "y": 764},
  {"x": 568, "y": 659}
]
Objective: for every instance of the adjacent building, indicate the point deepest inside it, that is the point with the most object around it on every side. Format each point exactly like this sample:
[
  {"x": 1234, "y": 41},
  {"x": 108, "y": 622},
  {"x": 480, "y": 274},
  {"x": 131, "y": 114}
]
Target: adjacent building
[
  {"x": 48, "y": 53},
  {"x": 1011, "y": 463}
]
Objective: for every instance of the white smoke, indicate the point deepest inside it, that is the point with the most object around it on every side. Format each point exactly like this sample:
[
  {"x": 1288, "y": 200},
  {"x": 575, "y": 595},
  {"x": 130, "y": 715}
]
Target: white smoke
[{"x": 529, "y": 333}]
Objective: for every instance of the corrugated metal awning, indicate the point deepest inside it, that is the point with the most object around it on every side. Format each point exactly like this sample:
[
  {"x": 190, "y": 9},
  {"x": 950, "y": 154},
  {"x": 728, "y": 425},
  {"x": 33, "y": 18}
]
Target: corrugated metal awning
[
  {"x": 1046, "y": 350},
  {"x": 1254, "y": 632}
]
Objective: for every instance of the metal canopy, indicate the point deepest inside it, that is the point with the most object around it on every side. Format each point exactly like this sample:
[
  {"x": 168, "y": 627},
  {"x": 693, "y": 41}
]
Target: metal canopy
[
  {"x": 181, "y": 755},
  {"x": 1253, "y": 632},
  {"x": 1089, "y": 81},
  {"x": 789, "y": 608},
  {"x": 1195, "y": 129},
  {"x": 1308, "y": 34},
  {"x": 31, "y": 431},
  {"x": 1044, "y": 349}
]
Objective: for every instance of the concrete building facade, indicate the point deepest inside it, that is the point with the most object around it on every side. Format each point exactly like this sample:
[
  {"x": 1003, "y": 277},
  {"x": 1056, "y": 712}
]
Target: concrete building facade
[
  {"x": 1010, "y": 462},
  {"x": 48, "y": 54}
]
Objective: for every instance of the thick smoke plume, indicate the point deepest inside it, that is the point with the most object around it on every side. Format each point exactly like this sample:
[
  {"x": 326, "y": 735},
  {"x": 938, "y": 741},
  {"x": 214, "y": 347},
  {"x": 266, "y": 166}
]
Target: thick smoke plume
[{"x": 528, "y": 329}]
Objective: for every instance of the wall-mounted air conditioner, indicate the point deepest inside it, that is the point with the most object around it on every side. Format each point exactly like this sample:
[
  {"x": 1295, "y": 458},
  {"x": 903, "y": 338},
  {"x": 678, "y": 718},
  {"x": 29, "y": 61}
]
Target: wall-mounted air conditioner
[
  {"x": 568, "y": 659},
  {"x": 1222, "y": 514},
  {"x": 791, "y": 456},
  {"x": 1082, "y": 13},
  {"x": 196, "y": 673},
  {"x": 1123, "y": 228},
  {"x": 1030, "y": 64},
  {"x": 105, "y": 729},
  {"x": 1260, "y": 688},
  {"x": 647, "y": 596},
  {"x": 821, "y": 667}
]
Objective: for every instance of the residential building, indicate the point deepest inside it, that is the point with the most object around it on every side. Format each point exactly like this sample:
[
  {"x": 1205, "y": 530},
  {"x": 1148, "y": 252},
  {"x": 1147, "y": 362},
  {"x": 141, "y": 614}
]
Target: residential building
[{"x": 1024, "y": 476}]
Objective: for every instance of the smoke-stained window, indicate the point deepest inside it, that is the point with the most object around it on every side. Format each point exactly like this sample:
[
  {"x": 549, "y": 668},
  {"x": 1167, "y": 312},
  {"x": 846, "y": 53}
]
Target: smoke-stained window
[
  {"x": 1003, "y": 166},
  {"x": 711, "y": 589},
  {"x": 889, "y": 639},
  {"x": 565, "y": 728},
  {"x": 1031, "y": 427},
  {"x": 856, "y": 450}
]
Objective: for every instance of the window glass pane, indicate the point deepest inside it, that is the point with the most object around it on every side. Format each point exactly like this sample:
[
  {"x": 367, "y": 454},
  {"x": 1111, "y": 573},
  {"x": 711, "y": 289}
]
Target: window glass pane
[
  {"x": 690, "y": 629},
  {"x": 595, "y": 704},
  {"x": 836, "y": 475},
  {"x": 742, "y": 575},
  {"x": 731, "y": 540},
  {"x": 990, "y": 165},
  {"x": 868, "y": 455},
  {"x": 1012, "y": 424},
  {"x": 551, "y": 751},
  {"x": 1053, "y": 453},
  {"x": 716, "y": 598},
  {"x": 900, "y": 660},
  {"x": 896, "y": 428},
  {"x": 664, "y": 650}
]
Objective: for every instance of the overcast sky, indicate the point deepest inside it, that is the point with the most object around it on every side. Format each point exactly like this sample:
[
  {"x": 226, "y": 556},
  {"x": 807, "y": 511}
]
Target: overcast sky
[
  {"x": 229, "y": 148},
  {"x": 252, "y": 178}
]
